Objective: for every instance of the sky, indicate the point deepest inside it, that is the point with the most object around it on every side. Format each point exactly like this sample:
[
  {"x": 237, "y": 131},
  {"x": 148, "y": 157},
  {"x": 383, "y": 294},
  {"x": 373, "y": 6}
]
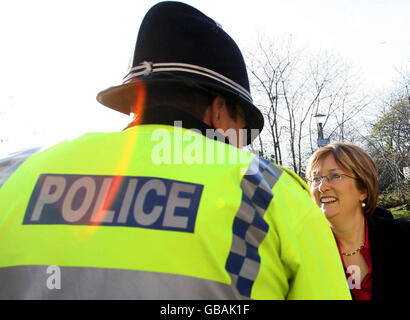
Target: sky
[{"x": 56, "y": 56}]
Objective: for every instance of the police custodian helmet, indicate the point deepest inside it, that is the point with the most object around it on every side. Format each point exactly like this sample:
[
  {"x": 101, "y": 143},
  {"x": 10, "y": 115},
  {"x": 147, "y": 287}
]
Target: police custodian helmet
[{"x": 178, "y": 43}]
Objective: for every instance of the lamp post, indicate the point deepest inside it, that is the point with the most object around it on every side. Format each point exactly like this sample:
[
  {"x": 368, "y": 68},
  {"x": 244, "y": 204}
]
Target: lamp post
[{"x": 321, "y": 142}]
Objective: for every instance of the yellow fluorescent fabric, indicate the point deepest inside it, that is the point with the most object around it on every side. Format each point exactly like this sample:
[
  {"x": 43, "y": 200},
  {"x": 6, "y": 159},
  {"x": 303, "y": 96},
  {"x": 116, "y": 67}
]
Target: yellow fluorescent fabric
[
  {"x": 298, "y": 255},
  {"x": 310, "y": 264}
]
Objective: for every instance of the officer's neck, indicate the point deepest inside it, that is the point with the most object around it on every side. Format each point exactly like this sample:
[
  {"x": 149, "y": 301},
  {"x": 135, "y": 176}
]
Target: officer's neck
[{"x": 167, "y": 115}]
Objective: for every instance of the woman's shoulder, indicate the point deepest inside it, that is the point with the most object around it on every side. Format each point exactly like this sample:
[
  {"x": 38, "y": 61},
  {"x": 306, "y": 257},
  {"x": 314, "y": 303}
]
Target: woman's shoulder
[
  {"x": 389, "y": 242},
  {"x": 382, "y": 212},
  {"x": 392, "y": 227}
]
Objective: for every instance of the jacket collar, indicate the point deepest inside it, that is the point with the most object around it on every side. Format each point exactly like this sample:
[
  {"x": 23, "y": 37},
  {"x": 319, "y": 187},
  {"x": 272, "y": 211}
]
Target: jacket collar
[{"x": 371, "y": 225}]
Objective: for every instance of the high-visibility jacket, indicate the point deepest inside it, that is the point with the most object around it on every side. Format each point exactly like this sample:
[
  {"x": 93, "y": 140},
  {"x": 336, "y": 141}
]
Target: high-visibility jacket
[{"x": 161, "y": 212}]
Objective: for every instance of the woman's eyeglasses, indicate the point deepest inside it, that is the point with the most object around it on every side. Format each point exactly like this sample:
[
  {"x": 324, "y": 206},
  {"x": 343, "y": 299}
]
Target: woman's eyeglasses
[{"x": 332, "y": 178}]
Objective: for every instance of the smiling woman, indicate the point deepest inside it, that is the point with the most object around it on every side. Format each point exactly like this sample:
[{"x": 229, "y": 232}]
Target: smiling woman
[
  {"x": 349, "y": 162},
  {"x": 343, "y": 183},
  {"x": 341, "y": 194}
]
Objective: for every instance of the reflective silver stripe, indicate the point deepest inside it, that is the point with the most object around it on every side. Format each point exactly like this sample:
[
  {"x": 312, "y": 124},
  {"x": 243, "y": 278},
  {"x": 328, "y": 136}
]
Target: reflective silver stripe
[
  {"x": 249, "y": 228},
  {"x": 33, "y": 282},
  {"x": 145, "y": 68},
  {"x": 10, "y": 164}
]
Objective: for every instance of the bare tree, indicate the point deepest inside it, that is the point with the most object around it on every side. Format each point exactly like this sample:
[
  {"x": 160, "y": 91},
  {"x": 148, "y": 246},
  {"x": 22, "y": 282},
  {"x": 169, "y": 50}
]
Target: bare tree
[
  {"x": 292, "y": 86},
  {"x": 267, "y": 66},
  {"x": 389, "y": 146},
  {"x": 388, "y": 140}
]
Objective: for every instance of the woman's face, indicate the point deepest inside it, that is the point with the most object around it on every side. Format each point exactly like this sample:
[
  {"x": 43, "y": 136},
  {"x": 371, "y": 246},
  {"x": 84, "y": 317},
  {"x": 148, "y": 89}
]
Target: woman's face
[{"x": 340, "y": 197}]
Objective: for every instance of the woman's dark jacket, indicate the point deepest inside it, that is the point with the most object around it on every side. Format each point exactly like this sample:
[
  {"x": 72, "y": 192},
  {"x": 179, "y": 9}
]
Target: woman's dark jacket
[{"x": 390, "y": 255}]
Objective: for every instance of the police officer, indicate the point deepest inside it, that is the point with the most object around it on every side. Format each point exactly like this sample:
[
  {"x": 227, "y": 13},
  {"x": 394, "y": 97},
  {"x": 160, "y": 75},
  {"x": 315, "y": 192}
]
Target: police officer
[{"x": 169, "y": 208}]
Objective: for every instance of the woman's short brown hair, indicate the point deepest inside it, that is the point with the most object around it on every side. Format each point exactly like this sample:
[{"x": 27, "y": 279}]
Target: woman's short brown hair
[{"x": 354, "y": 159}]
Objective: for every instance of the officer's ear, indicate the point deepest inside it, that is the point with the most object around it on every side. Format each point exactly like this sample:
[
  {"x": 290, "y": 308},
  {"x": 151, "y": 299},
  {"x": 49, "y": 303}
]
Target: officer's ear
[{"x": 216, "y": 115}]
